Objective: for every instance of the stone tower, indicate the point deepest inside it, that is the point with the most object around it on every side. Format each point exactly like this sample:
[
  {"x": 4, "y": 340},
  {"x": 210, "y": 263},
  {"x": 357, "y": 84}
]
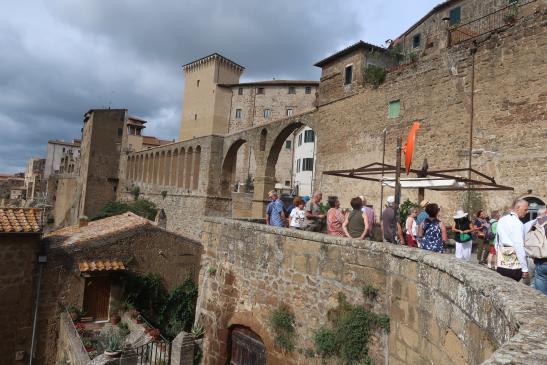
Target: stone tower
[{"x": 206, "y": 106}]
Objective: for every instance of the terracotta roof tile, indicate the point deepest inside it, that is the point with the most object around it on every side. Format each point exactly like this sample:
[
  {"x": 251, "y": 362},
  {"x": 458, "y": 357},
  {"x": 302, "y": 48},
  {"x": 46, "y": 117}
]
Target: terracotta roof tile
[
  {"x": 97, "y": 230},
  {"x": 101, "y": 265},
  {"x": 20, "y": 220}
]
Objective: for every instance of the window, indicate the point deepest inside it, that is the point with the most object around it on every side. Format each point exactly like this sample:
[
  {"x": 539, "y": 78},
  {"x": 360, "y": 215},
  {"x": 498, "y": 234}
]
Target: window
[
  {"x": 288, "y": 145},
  {"x": 238, "y": 113},
  {"x": 308, "y": 89},
  {"x": 348, "y": 74},
  {"x": 267, "y": 113},
  {"x": 300, "y": 139},
  {"x": 394, "y": 109},
  {"x": 260, "y": 91},
  {"x": 197, "y": 83},
  {"x": 454, "y": 16},
  {"x": 287, "y": 183},
  {"x": 309, "y": 136},
  {"x": 307, "y": 164},
  {"x": 416, "y": 40},
  {"x": 195, "y": 117},
  {"x": 298, "y": 165},
  {"x": 289, "y": 112},
  {"x": 292, "y": 90},
  {"x": 240, "y": 91}
]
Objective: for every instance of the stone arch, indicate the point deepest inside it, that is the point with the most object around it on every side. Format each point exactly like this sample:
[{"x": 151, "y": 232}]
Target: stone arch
[
  {"x": 145, "y": 168},
  {"x": 161, "y": 169},
  {"x": 167, "y": 168},
  {"x": 174, "y": 167},
  {"x": 181, "y": 168},
  {"x": 229, "y": 167},
  {"x": 277, "y": 145},
  {"x": 156, "y": 168},
  {"x": 189, "y": 169},
  {"x": 245, "y": 345},
  {"x": 534, "y": 202},
  {"x": 197, "y": 165},
  {"x": 263, "y": 138}
]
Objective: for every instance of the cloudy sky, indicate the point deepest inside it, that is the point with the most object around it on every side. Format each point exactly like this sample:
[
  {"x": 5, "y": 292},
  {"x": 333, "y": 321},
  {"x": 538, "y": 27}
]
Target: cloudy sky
[{"x": 60, "y": 58}]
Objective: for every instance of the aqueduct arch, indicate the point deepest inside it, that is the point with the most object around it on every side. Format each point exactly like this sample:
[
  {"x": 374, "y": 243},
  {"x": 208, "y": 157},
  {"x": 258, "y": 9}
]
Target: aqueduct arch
[{"x": 229, "y": 167}]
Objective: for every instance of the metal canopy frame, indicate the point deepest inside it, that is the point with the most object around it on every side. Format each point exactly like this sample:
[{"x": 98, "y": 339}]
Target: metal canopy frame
[{"x": 377, "y": 168}]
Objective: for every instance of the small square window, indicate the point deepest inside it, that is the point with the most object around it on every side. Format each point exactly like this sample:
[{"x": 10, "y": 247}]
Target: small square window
[
  {"x": 240, "y": 91},
  {"x": 197, "y": 83},
  {"x": 287, "y": 183},
  {"x": 309, "y": 136},
  {"x": 267, "y": 113},
  {"x": 455, "y": 16},
  {"x": 288, "y": 145},
  {"x": 307, "y": 164},
  {"x": 238, "y": 113},
  {"x": 195, "y": 117},
  {"x": 289, "y": 112},
  {"x": 292, "y": 90},
  {"x": 416, "y": 40},
  {"x": 394, "y": 109},
  {"x": 260, "y": 91},
  {"x": 348, "y": 74},
  {"x": 308, "y": 89}
]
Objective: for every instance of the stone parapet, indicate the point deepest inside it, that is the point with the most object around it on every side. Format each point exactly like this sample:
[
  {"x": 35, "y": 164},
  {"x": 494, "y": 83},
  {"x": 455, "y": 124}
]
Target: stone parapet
[{"x": 442, "y": 310}]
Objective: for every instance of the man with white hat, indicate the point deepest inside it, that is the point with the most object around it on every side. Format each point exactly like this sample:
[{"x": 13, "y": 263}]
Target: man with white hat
[
  {"x": 463, "y": 230},
  {"x": 389, "y": 221}
]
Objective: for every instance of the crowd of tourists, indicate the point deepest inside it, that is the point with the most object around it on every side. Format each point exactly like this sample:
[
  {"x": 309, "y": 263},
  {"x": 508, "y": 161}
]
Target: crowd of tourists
[{"x": 504, "y": 243}]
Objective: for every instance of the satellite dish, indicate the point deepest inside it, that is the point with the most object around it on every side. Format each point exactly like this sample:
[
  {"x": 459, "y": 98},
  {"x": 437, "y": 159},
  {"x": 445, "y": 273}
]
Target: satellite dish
[{"x": 409, "y": 145}]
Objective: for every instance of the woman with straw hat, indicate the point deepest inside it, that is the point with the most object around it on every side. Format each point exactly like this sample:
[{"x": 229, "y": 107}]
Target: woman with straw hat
[{"x": 463, "y": 230}]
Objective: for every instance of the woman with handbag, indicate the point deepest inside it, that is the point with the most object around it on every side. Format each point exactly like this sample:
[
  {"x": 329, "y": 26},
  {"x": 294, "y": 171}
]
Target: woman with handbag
[{"x": 464, "y": 242}]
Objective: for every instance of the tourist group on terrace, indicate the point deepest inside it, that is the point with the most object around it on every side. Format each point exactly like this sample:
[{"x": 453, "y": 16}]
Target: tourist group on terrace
[{"x": 503, "y": 243}]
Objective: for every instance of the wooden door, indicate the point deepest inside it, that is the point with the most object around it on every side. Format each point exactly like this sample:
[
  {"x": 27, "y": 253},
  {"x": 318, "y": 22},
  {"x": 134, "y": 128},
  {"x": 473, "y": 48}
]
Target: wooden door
[
  {"x": 97, "y": 297},
  {"x": 247, "y": 348}
]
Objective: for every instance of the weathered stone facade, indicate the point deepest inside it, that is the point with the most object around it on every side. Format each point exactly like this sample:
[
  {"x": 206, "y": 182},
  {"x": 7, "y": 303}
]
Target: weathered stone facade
[
  {"x": 145, "y": 248},
  {"x": 442, "y": 311}
]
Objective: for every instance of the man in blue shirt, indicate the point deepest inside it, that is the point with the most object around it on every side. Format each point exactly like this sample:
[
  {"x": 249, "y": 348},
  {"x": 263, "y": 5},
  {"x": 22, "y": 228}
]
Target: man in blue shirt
[{"x": 274, "y": 212}]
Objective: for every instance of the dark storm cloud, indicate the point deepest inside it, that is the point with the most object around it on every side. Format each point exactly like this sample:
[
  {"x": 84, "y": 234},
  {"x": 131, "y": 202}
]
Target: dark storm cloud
[{"x": 62, "y": 57}]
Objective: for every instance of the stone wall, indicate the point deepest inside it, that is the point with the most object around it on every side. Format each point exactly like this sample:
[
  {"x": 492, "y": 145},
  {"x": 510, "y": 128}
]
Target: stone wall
[
  {"x": 442, "y": 311},
  {"x": 18, "y": 258},
  {"x": 146, "y": 249},
  {"x": 70, "y": 349},
  {"x": 65, "y": 199}
]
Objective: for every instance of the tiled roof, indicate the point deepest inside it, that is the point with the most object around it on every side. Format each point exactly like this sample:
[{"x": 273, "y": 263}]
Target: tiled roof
[
  {"x": 97, "y": 230},
  {"x": 101, "y": 265},
  {"x": 20, "y": 220},
  {"x": 345, "y": 51}
]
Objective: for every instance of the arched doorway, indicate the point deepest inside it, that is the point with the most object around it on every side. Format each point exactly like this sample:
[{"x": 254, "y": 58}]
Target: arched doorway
[
  {"x": 229, "y": 168},
  {"x": 534, "y": 203},
  {"x": 246, "y": 347}
]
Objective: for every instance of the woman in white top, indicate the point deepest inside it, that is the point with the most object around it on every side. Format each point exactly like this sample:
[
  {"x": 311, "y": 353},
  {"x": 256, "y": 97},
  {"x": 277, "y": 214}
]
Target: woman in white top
[
  {"x": 298, "y": 214},
  {"x": 411, "y": 228}
]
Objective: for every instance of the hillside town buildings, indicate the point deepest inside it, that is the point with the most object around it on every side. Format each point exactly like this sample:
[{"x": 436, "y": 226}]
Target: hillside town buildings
[{"x": 471, "y": 72}]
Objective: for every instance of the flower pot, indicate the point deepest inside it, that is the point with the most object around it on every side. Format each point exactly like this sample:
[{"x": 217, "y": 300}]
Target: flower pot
[{"x": 116, "y": 353}]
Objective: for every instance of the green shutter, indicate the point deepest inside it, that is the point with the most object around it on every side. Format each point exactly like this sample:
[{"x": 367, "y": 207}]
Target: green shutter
[
  {"x": 455, "y": 15},
  {"x": 394, "y": 109}
]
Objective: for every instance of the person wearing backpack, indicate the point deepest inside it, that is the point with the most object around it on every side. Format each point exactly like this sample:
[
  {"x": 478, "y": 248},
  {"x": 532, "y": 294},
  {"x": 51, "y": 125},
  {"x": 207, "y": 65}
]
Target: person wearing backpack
[
  {"x": 491, "y": 235},
  {"x": 535, "y": 244}
]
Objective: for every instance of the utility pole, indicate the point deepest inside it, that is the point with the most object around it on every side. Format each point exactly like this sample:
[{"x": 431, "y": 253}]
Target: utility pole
[
  {"x": 398, "y": 173},
  {"x": 383, "y": 162}
]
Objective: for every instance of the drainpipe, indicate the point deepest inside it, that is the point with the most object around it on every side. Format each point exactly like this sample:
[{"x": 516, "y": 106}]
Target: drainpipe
[
  {"x": 42, "y": 259},
  {"x": 471, "y": 120}
]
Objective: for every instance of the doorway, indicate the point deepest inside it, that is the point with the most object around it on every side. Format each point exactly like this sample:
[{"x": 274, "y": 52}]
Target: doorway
[
  {"x": 247, "y": 347},
  {"x": 97, "y": 297},
  {"x": 533, "y": 205}
]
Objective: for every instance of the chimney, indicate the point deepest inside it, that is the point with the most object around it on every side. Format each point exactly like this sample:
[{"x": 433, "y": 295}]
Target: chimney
[{"x": 83, "y": 221}]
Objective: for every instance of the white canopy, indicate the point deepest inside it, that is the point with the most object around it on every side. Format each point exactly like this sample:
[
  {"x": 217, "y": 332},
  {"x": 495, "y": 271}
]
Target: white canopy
[{"x": 423, "y": 182}]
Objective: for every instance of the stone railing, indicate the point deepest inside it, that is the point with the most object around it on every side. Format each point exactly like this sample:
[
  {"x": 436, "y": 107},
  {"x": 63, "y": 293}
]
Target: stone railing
[
  {"x": 70, "y": 348},
  {"x": 442, "y": 310}
]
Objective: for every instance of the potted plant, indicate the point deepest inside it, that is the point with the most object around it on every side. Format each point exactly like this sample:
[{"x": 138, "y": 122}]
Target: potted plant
[
  {"x": 74, "y": 312},
  {"x": 113, "y": 346},
  {"x": 115, "y": 319},
  {"x": 197, "y": 333}
]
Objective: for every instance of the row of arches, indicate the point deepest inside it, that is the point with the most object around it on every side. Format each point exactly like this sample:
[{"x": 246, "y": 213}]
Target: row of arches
[{"x": 177, "y": 167}]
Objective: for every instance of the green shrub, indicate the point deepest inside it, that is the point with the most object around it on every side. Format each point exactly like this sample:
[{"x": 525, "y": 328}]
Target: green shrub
[
  {"x": 404, "y": 210},
  {"x": 374, "y": 75},
  {"x": 135, "y": 192},
  {"x": 283, "y": 325},
  {"x": 325, "y": 343},
  {"x": 141, "y": 207}
]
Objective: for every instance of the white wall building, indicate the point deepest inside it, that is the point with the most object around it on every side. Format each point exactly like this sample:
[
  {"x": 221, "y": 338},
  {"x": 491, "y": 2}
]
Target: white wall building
[
  {"x": 304, "y": 161},
  {"x": 55, "y": 152}
]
